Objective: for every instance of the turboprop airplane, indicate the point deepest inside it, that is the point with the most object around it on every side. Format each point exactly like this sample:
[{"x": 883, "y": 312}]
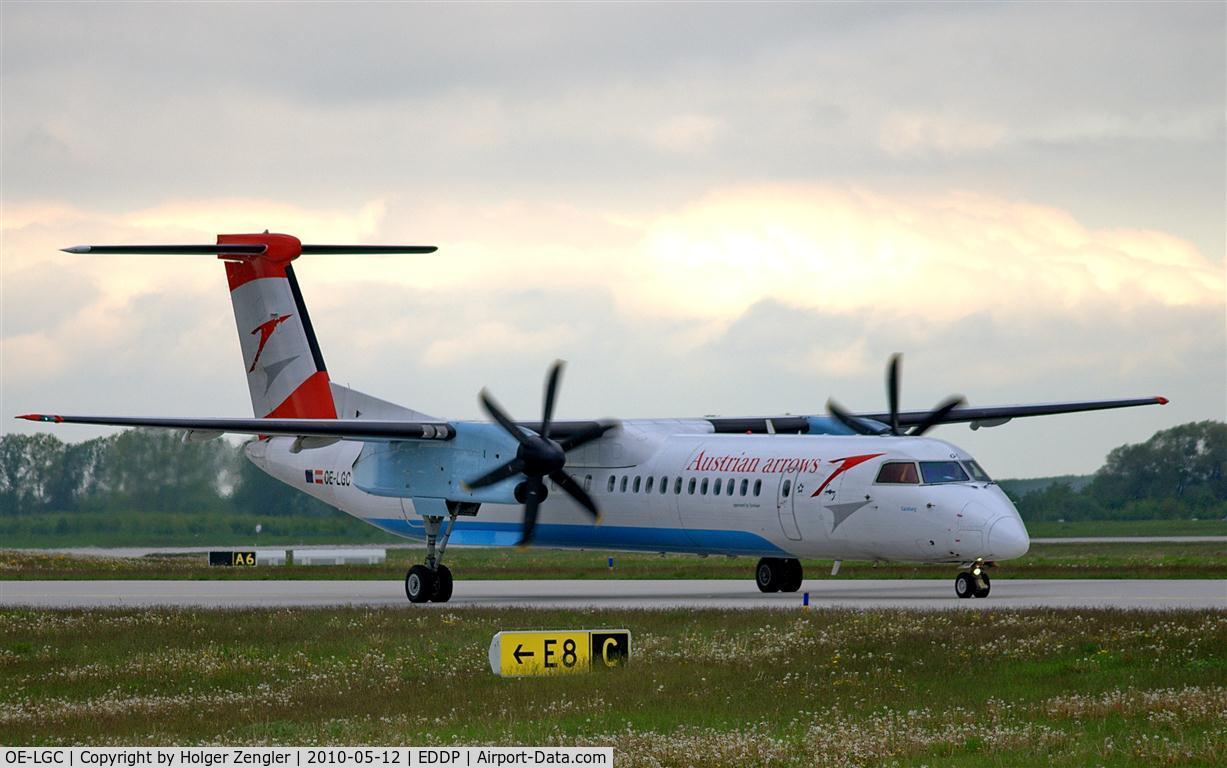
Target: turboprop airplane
[{"x": 865, "y": 486}]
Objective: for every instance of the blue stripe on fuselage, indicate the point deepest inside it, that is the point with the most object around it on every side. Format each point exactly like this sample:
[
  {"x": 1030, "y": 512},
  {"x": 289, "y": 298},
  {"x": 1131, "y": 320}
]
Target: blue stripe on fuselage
[{"x": 490, "y": 534}]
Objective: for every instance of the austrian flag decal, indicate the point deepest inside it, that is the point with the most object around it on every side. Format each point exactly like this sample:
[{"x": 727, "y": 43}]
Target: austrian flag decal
[{"x": 327, "y": 477}]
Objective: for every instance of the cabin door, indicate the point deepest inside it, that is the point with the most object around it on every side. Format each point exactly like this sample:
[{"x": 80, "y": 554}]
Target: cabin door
[{"x": 785, "y": 495}]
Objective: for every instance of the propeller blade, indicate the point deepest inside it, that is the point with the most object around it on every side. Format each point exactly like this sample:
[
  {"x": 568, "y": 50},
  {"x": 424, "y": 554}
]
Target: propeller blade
[
  {"x": 937, "y": 415},
  {"x": 510, "y": 469},
  {"x": 551, "y": 391},
  {"x": 584, "y": 437},
  {"x": 576, "y": 491},
  {"x": 504, "y": 421},
  {"x": 892, "y": 391},
  {"x": 848, "y": 420},
  {"x": 533, "y": 494}
]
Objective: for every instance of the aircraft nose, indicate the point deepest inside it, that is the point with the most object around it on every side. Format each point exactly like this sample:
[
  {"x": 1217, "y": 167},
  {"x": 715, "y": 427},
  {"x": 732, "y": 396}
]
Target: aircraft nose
[{"x": 1008, "y": 539}]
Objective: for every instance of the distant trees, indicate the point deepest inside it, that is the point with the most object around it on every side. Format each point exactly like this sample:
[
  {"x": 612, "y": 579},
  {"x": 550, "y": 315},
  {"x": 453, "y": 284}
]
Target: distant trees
[
  {"x": 1178, "y": 473},
  {"x": 138, "y": 470}
]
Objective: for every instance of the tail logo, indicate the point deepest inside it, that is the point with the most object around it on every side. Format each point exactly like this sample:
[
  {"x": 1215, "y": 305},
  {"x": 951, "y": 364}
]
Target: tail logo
[{"x": 265, "y": 330}]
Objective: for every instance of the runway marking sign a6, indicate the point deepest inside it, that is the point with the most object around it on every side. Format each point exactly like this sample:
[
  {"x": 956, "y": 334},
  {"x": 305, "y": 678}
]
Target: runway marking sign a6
[{"x": 562, "y": 652}]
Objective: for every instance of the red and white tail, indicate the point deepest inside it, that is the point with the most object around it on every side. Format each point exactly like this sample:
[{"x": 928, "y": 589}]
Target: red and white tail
[
  {"x": 286, "y": 375},
  {"x": 285, "y": 369}
]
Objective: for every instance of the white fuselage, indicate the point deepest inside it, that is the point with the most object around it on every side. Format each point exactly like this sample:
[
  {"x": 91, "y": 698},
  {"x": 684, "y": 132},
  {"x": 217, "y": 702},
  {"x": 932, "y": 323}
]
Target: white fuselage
[{"x": 664, "y": 490}]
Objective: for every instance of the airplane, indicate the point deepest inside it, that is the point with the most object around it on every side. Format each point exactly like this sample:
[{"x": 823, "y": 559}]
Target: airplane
[{"x": 857, "y": 486}]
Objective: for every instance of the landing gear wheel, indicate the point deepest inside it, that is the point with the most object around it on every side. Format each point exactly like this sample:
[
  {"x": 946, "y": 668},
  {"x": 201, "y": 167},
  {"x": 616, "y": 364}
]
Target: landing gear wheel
[
  {"x": 420, "y": 584},
  {"x": 769, "y": 574},
  {"x": 443, "y": 585},
  {"x": 964, "y": 585},
  {"x": 982, "y": 588},
  {"x": 793, "y": 575}
]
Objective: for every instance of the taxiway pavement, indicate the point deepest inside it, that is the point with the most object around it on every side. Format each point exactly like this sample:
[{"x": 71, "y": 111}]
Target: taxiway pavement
[{"x": 927, "y": 594}]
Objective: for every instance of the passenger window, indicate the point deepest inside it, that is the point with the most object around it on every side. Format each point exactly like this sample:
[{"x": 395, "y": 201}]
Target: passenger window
[
  {"x": 732, "y": 482},
  {"x": 745, "y": 486},
  {"x": 758, "y": 487},
  {"x": 677, "y": 487},
  {"x": 690, "y": 487},
  {"x": 647, "y": 488},
  {"x": 716, "y": 490},
  {"x": 587, "y": 483},
  {"x": 703, "y": 487},
  {"x": 635, "y": 487},
  {"x": 664, "y": 485},
  {"x": 786, "y": 489},
  {"x": 622, "y": 485},
  {"x": 611, "y": 484},
  {"x": 898, "y": 472}
]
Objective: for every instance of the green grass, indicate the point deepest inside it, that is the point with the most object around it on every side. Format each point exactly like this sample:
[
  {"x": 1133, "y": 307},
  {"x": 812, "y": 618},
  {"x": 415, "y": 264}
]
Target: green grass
[
  {"x": 746, "y": 687},
  {"x": 178, "y": 529},
  {"x": 1094, "y": 528},
  {"x": 1115, "y": 560},
  {"x": 182, "y": 529}
]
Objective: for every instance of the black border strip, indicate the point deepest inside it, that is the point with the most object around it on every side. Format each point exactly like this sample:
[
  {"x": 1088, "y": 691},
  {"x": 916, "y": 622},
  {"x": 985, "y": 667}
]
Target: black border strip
[{"x": 312, "y": 342}]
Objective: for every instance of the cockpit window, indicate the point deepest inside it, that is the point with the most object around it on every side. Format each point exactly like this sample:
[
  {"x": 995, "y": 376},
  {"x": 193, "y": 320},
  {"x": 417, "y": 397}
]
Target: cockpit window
[
  {"x": 976, "y": 471},
  {"x": 898, "y": 472},
  {"x": 942, "y": 472}
]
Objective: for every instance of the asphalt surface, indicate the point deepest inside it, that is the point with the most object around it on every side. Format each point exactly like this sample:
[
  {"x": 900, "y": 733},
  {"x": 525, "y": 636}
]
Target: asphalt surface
[{"x": 927, "y": 594}]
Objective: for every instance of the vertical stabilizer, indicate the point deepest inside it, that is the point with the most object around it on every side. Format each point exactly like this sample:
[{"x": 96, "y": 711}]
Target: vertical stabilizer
[{"x": 286, "y": 376}]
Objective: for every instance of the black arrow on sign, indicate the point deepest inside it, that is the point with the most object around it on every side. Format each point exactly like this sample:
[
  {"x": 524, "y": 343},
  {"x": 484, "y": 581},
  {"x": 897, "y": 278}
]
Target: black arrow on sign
[{"x": 521, "y": 652}]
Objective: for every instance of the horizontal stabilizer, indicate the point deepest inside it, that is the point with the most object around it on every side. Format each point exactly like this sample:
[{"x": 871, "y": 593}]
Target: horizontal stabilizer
[{"x": 240, "y": 249}]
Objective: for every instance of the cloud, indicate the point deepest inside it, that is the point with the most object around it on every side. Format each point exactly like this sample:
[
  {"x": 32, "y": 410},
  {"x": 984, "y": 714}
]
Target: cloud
[
  {"x": 907, "y": 133},
  {"x": 752, "y": 299},
  {"x": 692, "y": 134},
  {"x": 944, "y": 255}
]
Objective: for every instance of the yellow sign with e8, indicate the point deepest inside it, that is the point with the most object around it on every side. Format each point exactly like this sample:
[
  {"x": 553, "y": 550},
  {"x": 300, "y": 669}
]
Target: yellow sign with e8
[{"x": 561, "y": 652}]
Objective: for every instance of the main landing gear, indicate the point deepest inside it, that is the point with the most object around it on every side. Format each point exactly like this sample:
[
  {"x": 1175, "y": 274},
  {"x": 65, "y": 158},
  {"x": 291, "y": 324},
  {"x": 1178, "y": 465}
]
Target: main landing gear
[
  {"x": 776, "y": 574},
  {"x": 973, "y": 582},
  {"x": 432, "y": 582}
]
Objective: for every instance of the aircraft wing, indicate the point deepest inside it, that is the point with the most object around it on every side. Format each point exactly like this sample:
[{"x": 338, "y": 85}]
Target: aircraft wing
[
  {"x": 995, "y": 415},
  {"x": 343, "y": 429},
  {"x": 990, "y": 416}
]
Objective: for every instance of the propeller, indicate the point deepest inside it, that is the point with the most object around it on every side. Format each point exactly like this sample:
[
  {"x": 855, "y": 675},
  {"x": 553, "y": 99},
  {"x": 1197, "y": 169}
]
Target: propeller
[
  {"x": 539, "y": 457},
  {"x": 863, "y": 427}
]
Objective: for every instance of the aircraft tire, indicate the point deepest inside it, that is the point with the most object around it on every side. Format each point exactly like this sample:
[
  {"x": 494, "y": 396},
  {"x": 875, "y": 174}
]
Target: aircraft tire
[
  {"x": 419, "y": 584},
  {"x": 982, "y": 591},
  {"x": 443, "y": 585},
  {"x": 768, "y": 574},
  {"x": 964, "y": 585},
  {"x": 793, "y": 575}
]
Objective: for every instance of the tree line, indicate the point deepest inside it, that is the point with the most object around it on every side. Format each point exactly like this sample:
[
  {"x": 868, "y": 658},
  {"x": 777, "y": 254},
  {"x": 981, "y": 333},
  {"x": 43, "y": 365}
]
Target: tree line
[
  {"x": 1179, "y": 473},
  {"x": 139, "y": 471}
]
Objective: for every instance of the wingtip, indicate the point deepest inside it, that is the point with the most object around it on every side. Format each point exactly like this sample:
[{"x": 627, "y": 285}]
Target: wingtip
[
  {"x": 76, "y": 249},
  {"x": 1161, "y": 400},
  {"x": 40, "y": 417}
]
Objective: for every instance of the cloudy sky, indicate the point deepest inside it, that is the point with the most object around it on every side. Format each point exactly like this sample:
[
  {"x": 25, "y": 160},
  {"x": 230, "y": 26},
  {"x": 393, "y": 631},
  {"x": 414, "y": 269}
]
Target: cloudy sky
[{"x": 723, "y": 209}]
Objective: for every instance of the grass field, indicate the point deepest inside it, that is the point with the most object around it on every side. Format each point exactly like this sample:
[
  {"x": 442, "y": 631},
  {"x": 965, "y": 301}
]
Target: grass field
[
  {"x": 1116, "y": 560},
  {"x": 1041, "y": 530},
  {"x": 827, "y": 687},
  {"x": 184, "y": 529}
]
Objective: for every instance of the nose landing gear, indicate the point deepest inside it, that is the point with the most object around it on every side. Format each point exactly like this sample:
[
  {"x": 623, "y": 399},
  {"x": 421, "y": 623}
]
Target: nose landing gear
[
  {"x": 432, "y": 582},
  {"x": 973, "y": 582},
  {"x": 775, "y": 574}
]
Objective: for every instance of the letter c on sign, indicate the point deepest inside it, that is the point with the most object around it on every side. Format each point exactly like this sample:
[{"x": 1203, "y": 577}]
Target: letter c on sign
[{"x": 605, "y": 652}]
